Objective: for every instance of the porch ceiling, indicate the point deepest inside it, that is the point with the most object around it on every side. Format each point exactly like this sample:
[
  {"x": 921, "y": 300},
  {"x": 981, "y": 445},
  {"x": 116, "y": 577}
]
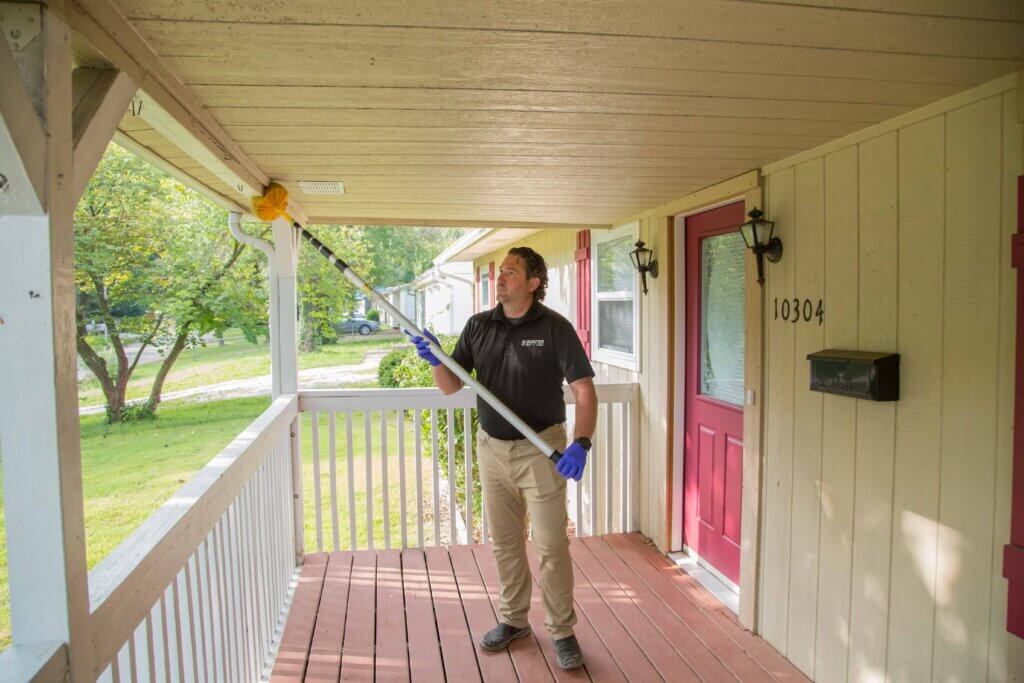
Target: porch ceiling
[{"x": 576, "y": 112}]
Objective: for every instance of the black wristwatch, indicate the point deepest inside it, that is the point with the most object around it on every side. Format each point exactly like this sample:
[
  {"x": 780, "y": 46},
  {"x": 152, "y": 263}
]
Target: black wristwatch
[{"x": 583, "y": 441}]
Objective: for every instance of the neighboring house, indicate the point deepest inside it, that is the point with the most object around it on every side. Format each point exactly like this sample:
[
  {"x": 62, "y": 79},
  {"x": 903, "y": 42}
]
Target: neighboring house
[
  {"x": 444, "y": 296},
  {"x": 401, "y": 297}
]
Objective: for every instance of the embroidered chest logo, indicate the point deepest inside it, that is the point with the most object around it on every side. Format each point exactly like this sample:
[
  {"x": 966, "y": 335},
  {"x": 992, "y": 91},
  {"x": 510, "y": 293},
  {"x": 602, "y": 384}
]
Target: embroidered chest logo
[{"x": 532, "y": 342}]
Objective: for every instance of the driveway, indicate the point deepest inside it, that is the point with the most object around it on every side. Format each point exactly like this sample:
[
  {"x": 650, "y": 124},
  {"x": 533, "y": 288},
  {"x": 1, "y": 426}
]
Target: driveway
[{"x": 338, "y": 376}]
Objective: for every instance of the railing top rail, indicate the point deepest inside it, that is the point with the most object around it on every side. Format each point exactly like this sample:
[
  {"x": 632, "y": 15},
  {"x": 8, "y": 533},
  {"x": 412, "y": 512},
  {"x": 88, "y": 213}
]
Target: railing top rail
[
  {"x": 129, "y": 580},
  {"x": 426, "y": 398}
]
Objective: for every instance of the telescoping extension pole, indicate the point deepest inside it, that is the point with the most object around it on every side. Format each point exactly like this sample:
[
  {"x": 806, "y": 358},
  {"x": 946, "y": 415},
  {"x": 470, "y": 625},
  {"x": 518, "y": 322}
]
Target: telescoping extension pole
[{"x": 447, "y": 360}]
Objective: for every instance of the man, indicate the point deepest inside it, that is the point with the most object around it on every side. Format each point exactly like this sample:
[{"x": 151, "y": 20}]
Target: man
[{"x": 522, "y": 351}]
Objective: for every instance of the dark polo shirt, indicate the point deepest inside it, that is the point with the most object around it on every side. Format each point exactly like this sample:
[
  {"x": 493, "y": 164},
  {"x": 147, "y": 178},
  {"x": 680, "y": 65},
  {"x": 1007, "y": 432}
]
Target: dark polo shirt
[{"x": 523, "y": 361}]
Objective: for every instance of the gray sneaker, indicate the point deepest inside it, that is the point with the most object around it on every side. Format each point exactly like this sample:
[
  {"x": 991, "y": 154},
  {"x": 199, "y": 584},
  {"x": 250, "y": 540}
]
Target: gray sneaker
[
  {"x": 499, "y": 637},
  {"x": 568, "y": 652}
]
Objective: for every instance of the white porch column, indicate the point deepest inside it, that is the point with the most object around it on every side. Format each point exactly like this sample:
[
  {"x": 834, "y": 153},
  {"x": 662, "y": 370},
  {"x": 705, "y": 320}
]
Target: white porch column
[
  {"x": 284, "y": 353},
  {"x": 39, "y": 434}
]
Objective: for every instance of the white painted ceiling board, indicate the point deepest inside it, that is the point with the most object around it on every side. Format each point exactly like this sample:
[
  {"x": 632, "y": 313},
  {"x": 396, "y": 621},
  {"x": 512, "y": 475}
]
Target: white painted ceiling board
[{"x": 579, "y": 111}]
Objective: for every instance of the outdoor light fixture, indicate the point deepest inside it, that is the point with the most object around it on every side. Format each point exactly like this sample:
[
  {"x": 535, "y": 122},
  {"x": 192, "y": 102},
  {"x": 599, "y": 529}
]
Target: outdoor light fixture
[
  {"x": 757, "y": 233},
  {"x": 643, "y": 262}
]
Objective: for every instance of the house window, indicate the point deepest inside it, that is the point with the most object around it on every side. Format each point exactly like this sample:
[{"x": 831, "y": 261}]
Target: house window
[
  {"x": 616, "y": 307},
  {"x": 483, "y": 277}
]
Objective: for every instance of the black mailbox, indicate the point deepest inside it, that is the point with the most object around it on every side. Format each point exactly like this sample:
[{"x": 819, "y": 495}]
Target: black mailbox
[{"x": 860, "y": 374}]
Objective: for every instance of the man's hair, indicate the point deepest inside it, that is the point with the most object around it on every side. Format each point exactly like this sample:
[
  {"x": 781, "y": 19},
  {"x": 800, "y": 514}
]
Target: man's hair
[{"x": 535, "y": 268}]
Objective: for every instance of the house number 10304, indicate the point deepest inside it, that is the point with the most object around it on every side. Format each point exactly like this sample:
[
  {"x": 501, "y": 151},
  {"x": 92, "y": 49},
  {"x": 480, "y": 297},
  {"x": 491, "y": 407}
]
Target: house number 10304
[{"x": 797, "y": 310}]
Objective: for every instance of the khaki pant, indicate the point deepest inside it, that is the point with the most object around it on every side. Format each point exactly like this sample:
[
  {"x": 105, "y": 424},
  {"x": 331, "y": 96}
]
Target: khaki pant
[{"x": 516, "y": 478}]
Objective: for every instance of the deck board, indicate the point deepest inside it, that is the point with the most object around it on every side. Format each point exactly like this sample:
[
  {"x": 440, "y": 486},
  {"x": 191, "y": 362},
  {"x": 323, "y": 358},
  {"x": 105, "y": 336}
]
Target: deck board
[
  {"x": 328, "y": 636},
  {"x": 418, "y": 615}
]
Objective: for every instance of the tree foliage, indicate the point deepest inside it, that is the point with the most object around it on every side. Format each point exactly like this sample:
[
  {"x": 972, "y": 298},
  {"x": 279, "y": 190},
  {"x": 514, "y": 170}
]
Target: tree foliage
[
  {"x": 156, "y": 264},
  {"x": 382, "y": 255}
]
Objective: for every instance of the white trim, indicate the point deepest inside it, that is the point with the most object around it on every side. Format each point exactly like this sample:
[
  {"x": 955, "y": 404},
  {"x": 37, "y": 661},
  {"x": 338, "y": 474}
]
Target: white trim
[
  {"x": 716, "y": 583},
  {"x": 609, "y": 356}
]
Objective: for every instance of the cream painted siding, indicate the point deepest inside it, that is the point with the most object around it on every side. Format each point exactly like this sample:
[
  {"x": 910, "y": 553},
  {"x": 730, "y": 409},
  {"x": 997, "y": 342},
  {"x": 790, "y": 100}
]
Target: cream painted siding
[{"x": 883, "y": 523}]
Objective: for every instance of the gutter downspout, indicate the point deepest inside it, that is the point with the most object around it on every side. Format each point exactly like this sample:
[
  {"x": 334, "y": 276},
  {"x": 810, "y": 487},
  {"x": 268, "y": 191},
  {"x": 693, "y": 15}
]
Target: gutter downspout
[{"x": 235, "y": 225}]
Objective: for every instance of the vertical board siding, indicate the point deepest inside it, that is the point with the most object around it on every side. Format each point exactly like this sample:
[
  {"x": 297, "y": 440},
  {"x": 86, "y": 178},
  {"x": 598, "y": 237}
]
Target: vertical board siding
[
  {"x": 839, "y": 420},
  {"x": 883, "y": 523},
  {"x": 1002, "y": 643},
  {"x": 973, "y": 152},
  {"x": 809, "y": 259},
  {"x": 872, "y": 512},
  {"x": 919, "y": 412},
  {"x": 779, "y": 387}
]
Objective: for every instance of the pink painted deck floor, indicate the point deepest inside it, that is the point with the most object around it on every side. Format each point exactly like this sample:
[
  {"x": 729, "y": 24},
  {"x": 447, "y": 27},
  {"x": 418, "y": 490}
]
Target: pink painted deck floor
[{"x": 417, "y": 615}]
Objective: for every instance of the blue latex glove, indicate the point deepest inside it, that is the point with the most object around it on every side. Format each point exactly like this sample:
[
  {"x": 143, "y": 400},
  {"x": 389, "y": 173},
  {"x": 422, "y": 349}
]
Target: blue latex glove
[
  {"x": 423, "y": 347},
  {"x": 573, "y": 460}
]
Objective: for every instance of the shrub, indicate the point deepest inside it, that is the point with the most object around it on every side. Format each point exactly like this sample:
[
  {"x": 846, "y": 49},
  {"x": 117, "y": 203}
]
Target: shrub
[
  {"x": 402, "y": 368},
  {"x": 373, "y": 314}
]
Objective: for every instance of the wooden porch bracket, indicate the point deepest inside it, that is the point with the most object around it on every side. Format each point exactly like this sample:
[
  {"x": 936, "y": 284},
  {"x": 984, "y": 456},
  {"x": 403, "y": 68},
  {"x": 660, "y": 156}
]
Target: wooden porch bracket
[
  {"x": 22, "y": 136},
  {"x": 100, "y": 98},
  {"x": 166, "y": 103}
]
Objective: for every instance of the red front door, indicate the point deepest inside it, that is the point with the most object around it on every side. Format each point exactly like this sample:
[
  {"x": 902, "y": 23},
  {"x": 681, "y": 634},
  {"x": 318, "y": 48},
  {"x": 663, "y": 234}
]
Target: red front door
[{"x": 714, "y": 388}]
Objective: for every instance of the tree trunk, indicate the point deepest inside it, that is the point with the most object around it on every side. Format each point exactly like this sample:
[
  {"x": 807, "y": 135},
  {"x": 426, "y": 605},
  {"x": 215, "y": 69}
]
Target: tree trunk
[
  {"x": 165, "y": 368},
  {"x": 307, "y": 331}
]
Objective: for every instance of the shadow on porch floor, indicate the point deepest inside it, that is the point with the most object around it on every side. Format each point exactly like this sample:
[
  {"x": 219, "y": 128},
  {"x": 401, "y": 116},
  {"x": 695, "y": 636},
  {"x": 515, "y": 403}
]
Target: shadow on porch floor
[{"x": 415, "y": 614}]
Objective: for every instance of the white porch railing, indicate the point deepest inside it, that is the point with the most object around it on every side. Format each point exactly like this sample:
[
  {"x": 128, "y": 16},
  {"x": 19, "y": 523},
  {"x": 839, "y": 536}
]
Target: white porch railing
[
  {"x": 376, "y": 476},
  {"x": 199, "y": 590}
]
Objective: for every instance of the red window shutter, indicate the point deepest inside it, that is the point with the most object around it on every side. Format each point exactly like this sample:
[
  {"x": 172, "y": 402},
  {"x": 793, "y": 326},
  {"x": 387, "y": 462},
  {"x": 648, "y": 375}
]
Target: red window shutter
[
  {"x": 490, "y": 286},
  {"x": 1013, "y": 553},
  {"x": 583, "y": 288}
]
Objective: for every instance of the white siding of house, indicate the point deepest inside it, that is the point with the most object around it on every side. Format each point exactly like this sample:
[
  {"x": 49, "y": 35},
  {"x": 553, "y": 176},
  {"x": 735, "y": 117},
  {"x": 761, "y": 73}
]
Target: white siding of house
[{"x": 884, "y": 523}]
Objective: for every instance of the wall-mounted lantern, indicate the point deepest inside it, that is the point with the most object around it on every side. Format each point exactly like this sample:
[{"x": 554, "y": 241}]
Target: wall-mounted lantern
[
  {"x": 758, "y": 235},
  {"x": 643, "y": 261}
]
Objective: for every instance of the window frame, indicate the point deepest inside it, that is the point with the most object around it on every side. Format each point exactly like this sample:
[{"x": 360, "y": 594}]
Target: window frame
[
  {"x": 483, "y": 277},
  {"x": 628, "y": 361}
]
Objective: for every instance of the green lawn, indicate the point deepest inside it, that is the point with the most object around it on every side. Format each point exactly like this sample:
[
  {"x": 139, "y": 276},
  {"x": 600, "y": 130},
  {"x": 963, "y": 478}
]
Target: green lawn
[
  {"x": 237, "y": 359},
  {"x": 130, "y": 470}
]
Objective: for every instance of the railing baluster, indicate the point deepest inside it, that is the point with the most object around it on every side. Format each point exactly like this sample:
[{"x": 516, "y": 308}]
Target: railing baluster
[
  {"x": 223, "y": 604},
  {"x": 203, "y": 599},
  {"x": 624, "y": 464},
  {"x": 150, "y": 645},
  {"x": 417, "y": 427},
  {"x": 596, "y": 454},
  {"x": 437, "y": 476},
  {"x": 608, "y": 466},
  {"x": 314, "y": 418},
  {"x": 245, "y": 535},
  {"x": 368, "y": 457},
  {"x": 351, "y": 481},
  {"x": 165, "y": 647},
  {"x": 334, "y": 479},
  {"x": 115, "y": 671},
  {"x": 191, "y": 612},
  {"x": 467, "y": 451},
  {"x": 260, "y": 529},
  {"x": 453, "y": 506},
  {"x": 133, "y": 659},
  {"x": 179, "y": 633},
  {"x": 386, "y": 503},
  {"x": 400, "y": 418}
]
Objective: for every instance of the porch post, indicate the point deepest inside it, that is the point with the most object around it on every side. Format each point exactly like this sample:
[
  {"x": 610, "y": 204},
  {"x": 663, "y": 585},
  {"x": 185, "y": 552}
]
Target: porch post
[
  {"x": 284, "y": 353},
  {"x": 39, "y": 431}
]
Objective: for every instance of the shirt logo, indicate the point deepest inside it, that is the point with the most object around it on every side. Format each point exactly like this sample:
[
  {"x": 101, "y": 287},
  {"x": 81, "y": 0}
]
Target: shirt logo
[{"x": 533, "y": 342}]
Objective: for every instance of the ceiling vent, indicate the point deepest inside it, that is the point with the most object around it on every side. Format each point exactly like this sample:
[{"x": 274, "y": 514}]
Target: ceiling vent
[{"x": 333, "y": 187}]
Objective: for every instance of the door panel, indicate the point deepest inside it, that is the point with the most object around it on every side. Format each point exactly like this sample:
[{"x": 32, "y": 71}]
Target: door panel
[{"x": 713, "y": 389}]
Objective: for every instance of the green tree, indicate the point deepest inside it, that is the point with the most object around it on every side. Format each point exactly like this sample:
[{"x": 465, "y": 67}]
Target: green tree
[
  {"x": 155, "y": 262},
  {"x": 381, "y": 255}
]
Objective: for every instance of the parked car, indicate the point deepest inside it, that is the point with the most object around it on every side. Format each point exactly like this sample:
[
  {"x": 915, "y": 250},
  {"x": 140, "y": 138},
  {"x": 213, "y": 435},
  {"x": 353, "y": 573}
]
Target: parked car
[{"x": 363, "y": 326}]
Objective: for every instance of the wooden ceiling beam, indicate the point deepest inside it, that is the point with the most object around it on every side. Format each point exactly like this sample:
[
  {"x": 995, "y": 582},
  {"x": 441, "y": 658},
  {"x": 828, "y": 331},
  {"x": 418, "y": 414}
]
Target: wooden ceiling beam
[
  {"x": 168, "y": 105},
  {"x": 100, "y": 97}
]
